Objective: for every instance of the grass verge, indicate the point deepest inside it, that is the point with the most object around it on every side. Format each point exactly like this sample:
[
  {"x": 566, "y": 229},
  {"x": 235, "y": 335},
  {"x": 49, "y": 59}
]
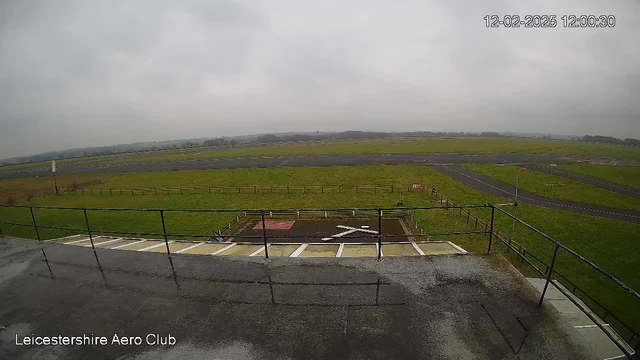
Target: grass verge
[
  {"x": 625, "y": 175},
  {"x": 536, "y": 182}
]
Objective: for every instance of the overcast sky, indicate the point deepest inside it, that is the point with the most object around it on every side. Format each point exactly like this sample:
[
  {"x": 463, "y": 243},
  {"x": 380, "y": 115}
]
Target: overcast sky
[{"x": 88, "y": 73}]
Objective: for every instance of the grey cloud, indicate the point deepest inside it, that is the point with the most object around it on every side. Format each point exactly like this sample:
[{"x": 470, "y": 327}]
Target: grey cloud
[{"x": 85, "y": 73}]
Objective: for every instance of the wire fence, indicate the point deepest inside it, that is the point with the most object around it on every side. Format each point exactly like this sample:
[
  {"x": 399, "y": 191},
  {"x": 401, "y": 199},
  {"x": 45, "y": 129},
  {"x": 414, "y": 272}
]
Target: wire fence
[{"x": 248, "y": 189}]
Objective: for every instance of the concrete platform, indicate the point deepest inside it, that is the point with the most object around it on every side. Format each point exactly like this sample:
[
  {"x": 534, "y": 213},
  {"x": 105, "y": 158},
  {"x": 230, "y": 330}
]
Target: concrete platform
[
  {"x": 229, "y": 307},
  {"x": 601, "y": 344}
]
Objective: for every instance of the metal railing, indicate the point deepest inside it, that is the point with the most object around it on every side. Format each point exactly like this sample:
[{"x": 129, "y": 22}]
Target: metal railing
[
  {"x": 262, "y": 213},
  {"x": 633, "y": 339},
  {"x": 489, "y": 228}
]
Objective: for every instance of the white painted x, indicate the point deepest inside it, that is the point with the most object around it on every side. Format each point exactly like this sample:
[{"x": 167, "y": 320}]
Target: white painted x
[{"x": 350, "y": 230}]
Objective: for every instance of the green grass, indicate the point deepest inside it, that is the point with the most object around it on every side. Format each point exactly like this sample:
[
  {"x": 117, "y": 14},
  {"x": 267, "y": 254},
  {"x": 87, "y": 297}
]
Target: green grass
[
  {"x": 609, "y": 243},
  {"x": 626, "y": 175},
  {"x": 401, "y": 146},
  {"x": 535, "y": 182},
  {"x": 394, "y": 146}
]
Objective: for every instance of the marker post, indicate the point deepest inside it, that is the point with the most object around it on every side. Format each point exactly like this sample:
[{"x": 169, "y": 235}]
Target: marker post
[{"x": 53, "y": 170}]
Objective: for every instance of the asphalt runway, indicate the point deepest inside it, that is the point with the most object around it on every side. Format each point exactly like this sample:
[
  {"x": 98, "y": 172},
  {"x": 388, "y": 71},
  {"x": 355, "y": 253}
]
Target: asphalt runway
[
  {"x": 492, "y": 186},
  {"x": 282, "y": 161}
]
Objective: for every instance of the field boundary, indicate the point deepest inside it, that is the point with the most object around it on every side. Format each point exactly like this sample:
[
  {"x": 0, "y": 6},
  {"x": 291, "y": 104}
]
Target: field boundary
[{"x": 245, "y": 189}]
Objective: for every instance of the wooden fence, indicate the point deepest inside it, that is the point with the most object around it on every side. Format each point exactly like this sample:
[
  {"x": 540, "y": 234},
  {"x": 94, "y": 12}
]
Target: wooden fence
[{"x": 247, "y": 189}]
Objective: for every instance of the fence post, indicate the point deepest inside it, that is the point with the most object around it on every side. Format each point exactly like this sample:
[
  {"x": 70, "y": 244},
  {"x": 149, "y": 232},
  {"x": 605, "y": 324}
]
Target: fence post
[
  {"x": 264, "y": 235},
  {"x": 493, "y": 212},
  {"x": 379, "y": 234},
  {"x": 553, "y": 264},
  {"x": 287, "y": 189},
  {"x": 35, "y": 226},
  {"x": 164, "y": 231},
  {"x": 392, "y": 186},
  {"x": 209, "y": 189},
  {"x": 86, "y": 220}
]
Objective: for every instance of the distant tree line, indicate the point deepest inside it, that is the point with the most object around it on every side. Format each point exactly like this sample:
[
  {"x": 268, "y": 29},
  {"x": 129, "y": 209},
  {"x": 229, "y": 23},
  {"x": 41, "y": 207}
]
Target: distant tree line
[
  {"x": 274, "y": 138},
  {"x": 610, "y": 140}
]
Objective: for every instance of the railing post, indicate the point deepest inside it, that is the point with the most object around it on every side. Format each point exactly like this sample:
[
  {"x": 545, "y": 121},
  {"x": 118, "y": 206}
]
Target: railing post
[
  {"x": 493, "y": 213},
  {"x": 86, "y": 220},
  {"x": 264, "y": 235},
  {"x": 164, "y": 231},
  {"x": 550, "y": 274},
  {"x": 379, "y": 234},
  {"x": 35, "y": 226}
]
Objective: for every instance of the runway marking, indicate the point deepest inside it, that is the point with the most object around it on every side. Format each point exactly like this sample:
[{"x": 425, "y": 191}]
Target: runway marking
[
  {"x": 129, "y": 244},
  {"x": 77, "y": 241},
  {"x": 224, "y": 249},
  {"x": 340, "y": 250},
  {"x": 154, "y": 246},
  {"x": 415, "y": 246},
  {"x": 349, "y": 231},
  {"x": 259, "y": 251},
  {"x": 299, "y": 250},
  {"x": 189, "y": 248},
  {"x": 458, "y": 247},
  {"x": 106, "y": 242}
]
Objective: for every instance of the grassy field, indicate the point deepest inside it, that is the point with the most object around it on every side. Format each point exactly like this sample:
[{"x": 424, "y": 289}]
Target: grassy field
[
  {"x": 395, "y": 146},
  {"x": 626, "y": 175},
  {"x": 611, "y": 244},
  {"x": 535, "y": 182},
  {"x": 399, "y": 146},
  {"x": 17, "y": 190}
]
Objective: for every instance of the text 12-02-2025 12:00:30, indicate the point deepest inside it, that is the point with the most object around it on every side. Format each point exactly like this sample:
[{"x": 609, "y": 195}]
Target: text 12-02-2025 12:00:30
[{"x": 550, "y": 21}]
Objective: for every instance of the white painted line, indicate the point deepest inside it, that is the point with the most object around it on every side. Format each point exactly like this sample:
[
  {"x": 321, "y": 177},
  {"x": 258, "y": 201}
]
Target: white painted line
[
  {"x": 588, "y": 326},
  {"x": 357, "y": 229},
  {"x": 381, "y": 253},
  {"x": 619, "y": 357},
  {"x": 258, "y": 251},
  {"x": 64, "y": 238},
  {"x": 154, "y": 246},
  {"x": 299, "y": 250},
  {"x": 129, "y": 244},
  {"x": 339, "y": 235},
  {"x": 105, "y": 242},
  {"x": 77, "y": 241},
  {"x": 224, "y": 249},
  {"x": 189, "y": 248},
  {"x": 340, "y": 249},
  {"x": 415, "y": 246},
  {"x": 458, "y": 247}
]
